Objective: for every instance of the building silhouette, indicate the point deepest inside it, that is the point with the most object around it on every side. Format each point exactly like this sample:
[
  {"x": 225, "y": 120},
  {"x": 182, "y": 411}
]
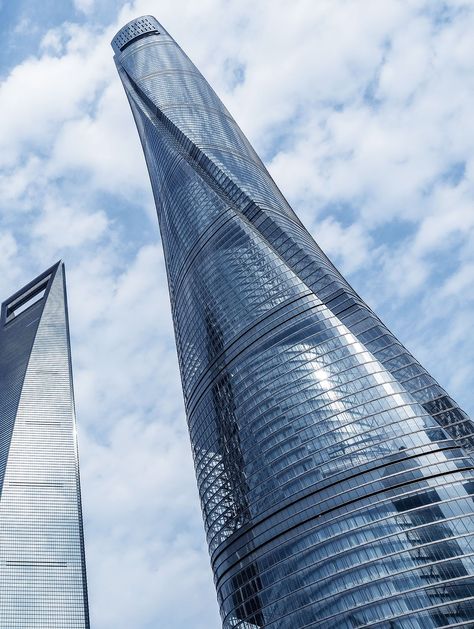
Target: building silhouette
[
  {"x": 42, "y": 564},
  {"x": 335, "y": 474}
]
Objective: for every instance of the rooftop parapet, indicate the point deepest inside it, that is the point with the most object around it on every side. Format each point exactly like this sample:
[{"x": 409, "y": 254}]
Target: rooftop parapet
[{"x": 136, "y": 29}]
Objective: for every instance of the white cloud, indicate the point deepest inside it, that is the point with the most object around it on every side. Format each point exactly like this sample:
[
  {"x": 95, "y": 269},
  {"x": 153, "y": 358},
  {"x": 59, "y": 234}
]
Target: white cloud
[
  {"x": 104, "y": 146},
  {"x": 349, "y": 247},
  {"x": 8, "y": 260},
  {"x": 61, "y": 226},
  {"x": 36, "y": 96},
  {"x": 86, "y": 6},
  {"x": 460, "y": 282},
  {"x": 139, "y": 502}
]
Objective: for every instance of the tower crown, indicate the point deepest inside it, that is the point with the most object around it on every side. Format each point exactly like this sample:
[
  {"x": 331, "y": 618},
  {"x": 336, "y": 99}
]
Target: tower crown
[{"x": 138, "y": 28}]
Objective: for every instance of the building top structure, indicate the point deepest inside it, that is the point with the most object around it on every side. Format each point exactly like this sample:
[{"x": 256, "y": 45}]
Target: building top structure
[{"x": 135, "y": 29}]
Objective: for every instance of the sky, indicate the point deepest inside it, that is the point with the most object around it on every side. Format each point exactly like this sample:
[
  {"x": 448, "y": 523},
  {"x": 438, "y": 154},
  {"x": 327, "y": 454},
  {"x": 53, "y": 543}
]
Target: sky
[{"x": 362, "y": 111}]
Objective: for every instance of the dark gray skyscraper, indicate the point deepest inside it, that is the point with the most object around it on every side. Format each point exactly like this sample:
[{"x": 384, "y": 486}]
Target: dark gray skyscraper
[
  {"x": 335, "y": 473},
  {"x": 42, "y": 566}
]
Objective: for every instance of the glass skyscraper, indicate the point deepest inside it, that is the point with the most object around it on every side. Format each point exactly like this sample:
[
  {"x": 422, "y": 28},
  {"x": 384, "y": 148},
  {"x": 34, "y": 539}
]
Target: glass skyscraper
[
  {"x": 335, "y": 474},
  {"x": 42, "y": 565}
]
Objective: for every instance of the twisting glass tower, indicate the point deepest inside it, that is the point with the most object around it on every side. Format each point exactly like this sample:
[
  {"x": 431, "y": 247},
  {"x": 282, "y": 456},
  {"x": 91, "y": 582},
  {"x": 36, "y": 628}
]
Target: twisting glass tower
[
  {"x": 335, "y": 474},
  {"x": 42, "y": 565}
]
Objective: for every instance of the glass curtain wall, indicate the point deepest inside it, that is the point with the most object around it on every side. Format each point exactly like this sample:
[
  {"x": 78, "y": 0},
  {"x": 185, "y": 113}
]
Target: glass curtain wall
[{"x": 335, "y": 473}]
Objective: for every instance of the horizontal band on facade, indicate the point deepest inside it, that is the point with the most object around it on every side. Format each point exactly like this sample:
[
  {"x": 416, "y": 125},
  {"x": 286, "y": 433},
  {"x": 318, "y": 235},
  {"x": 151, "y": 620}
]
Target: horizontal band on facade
[{"x": 224, "y": 547}]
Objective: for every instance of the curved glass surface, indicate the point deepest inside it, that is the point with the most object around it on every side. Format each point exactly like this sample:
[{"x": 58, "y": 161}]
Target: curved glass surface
[{"x": 335, "y": 474}]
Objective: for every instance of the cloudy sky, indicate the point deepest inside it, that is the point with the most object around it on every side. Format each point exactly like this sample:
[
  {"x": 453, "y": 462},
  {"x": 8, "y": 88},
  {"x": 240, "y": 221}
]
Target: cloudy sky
[{"x": 362, "y": 111}]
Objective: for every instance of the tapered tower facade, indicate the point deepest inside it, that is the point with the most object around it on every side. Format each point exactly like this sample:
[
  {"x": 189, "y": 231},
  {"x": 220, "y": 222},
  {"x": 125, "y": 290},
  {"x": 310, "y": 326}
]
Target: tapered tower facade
[
  {"x": 335, "y": 474},
  {"x": 42, "y": 565}
]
